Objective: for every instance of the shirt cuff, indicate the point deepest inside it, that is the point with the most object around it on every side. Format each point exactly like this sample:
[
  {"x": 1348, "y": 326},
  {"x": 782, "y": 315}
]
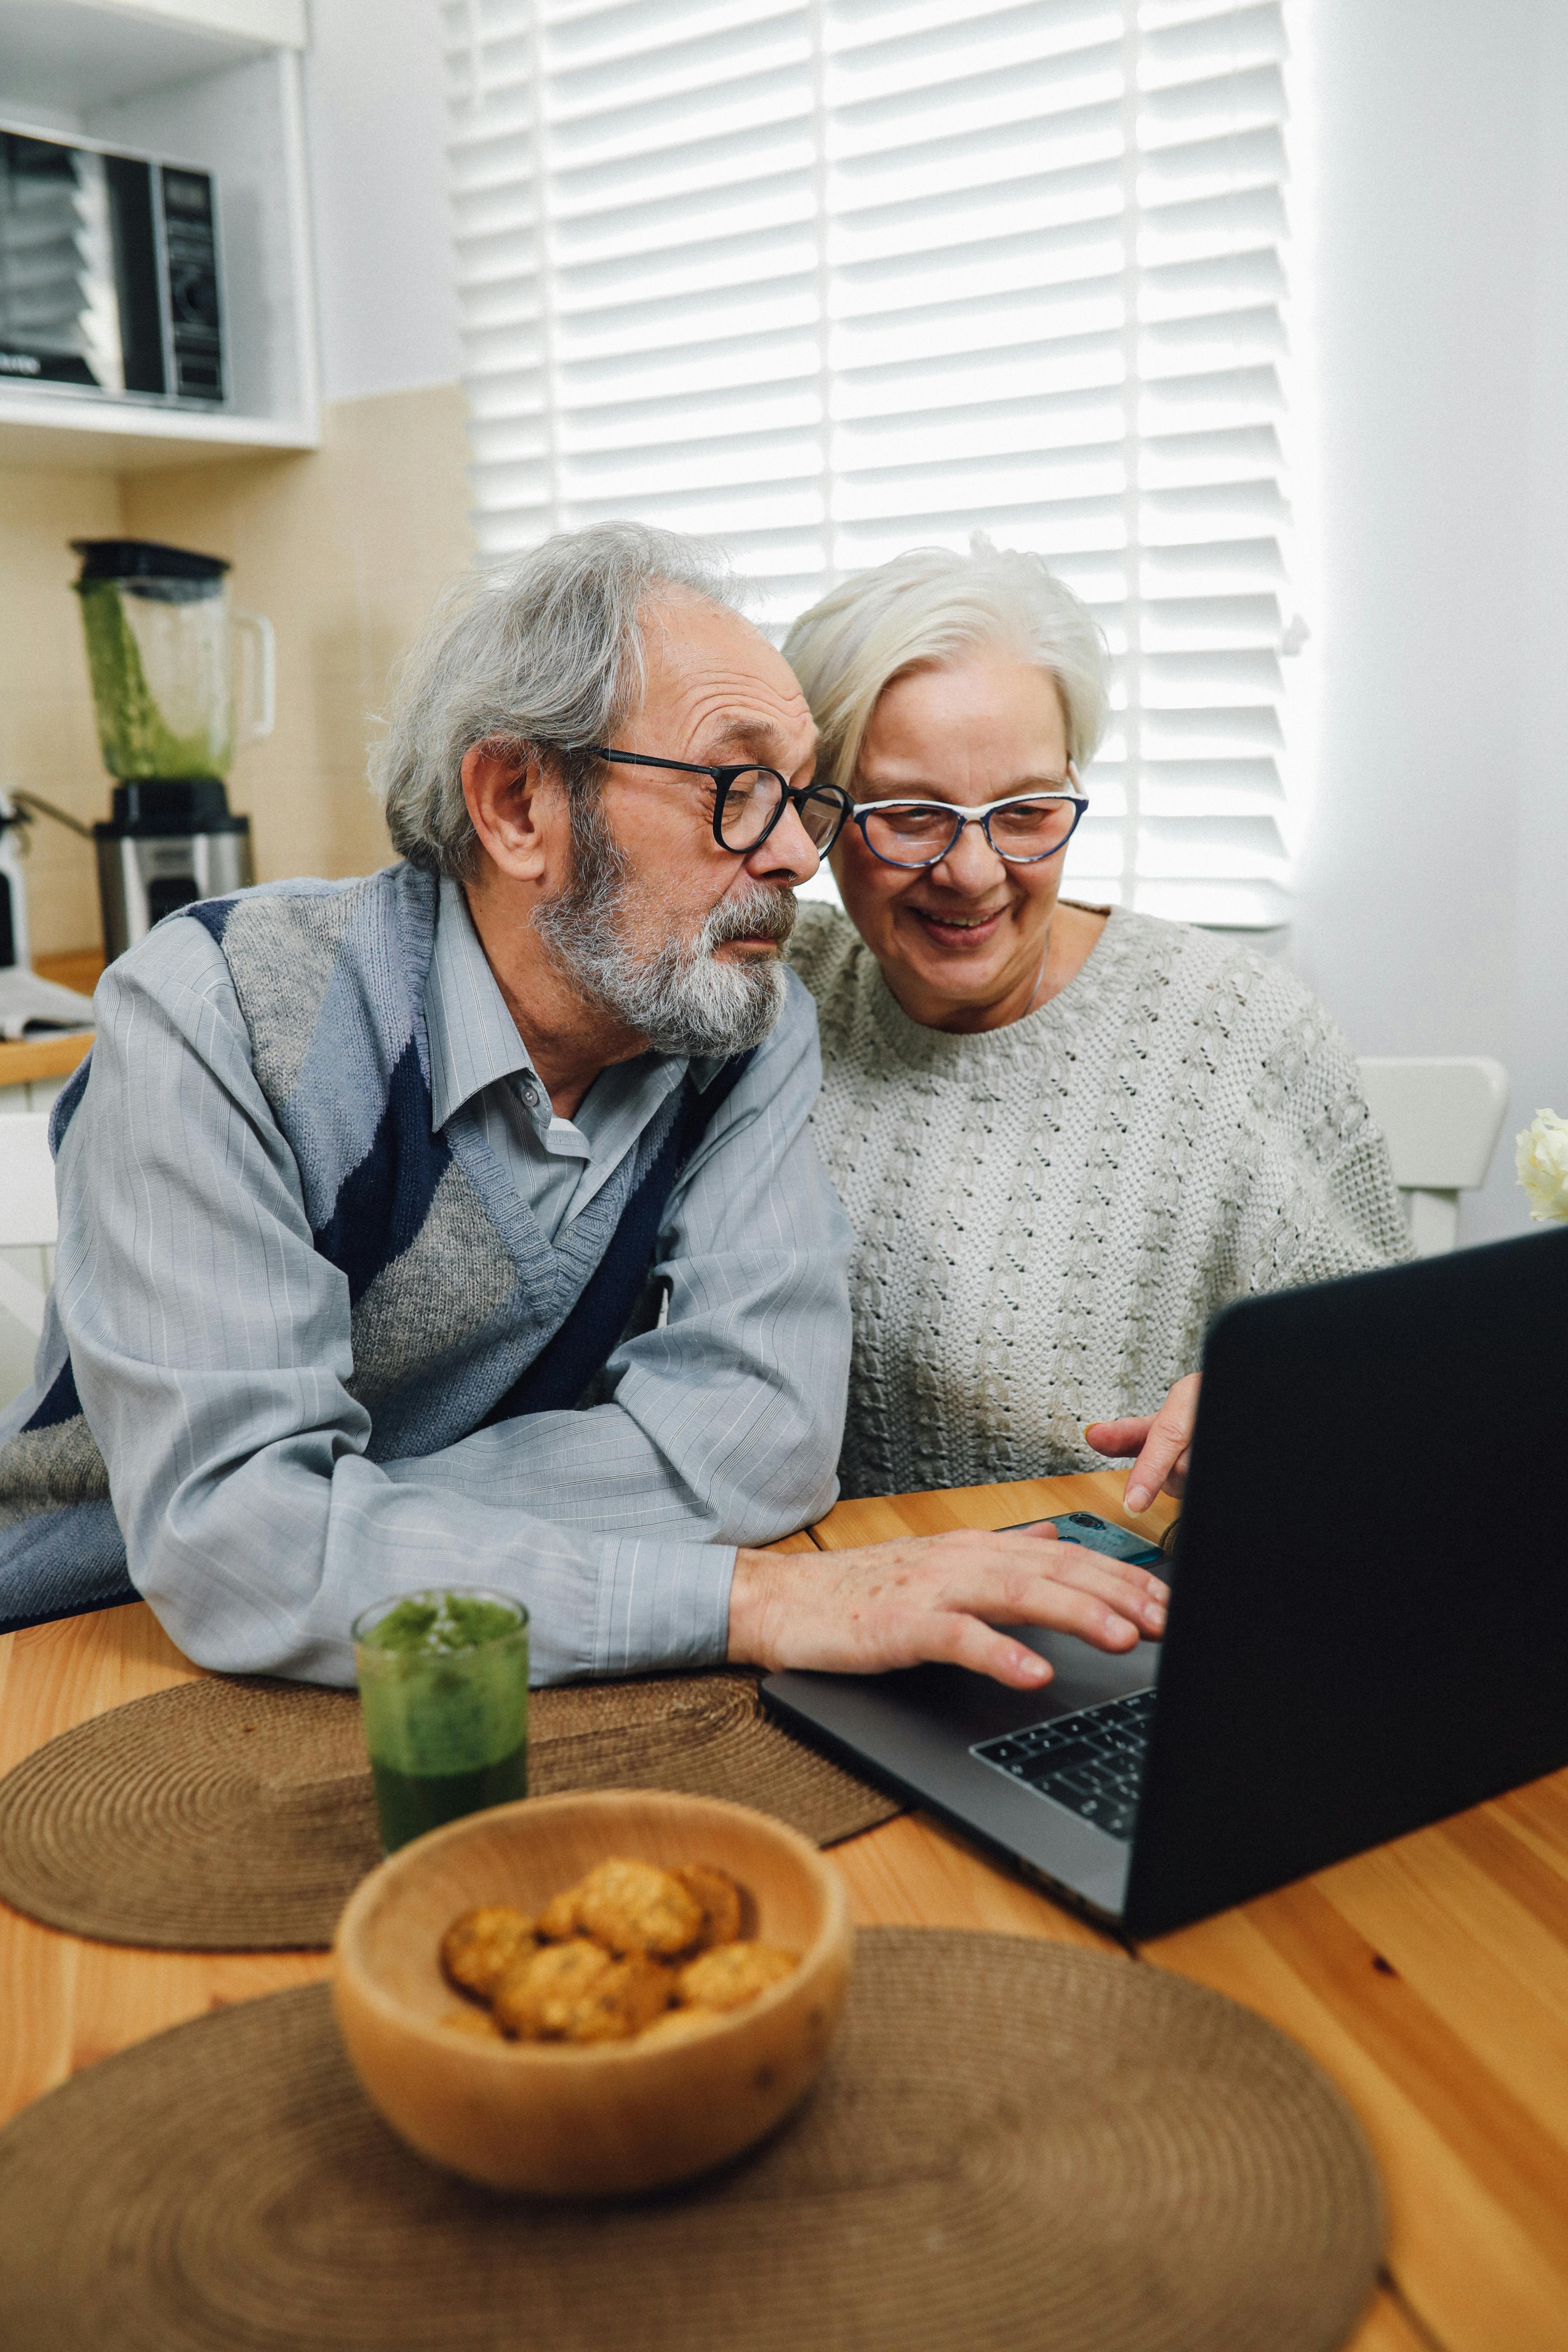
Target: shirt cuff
[{"x": 661, "y": 1604}]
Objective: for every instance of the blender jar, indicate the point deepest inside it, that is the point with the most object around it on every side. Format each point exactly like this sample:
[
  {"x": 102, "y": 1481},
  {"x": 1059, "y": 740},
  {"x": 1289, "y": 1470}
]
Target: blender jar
[{"x": 160, "y": 654}]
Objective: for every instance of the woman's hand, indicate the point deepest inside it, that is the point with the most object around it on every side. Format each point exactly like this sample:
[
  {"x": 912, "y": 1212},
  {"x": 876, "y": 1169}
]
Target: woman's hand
[
  {"x": 1161, "y": 1442},
  {"x": 937, "y": 1597}
]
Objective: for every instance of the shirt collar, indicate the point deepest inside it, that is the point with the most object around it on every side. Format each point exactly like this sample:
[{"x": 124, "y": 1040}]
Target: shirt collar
[{"x": 473, "y": 1038}]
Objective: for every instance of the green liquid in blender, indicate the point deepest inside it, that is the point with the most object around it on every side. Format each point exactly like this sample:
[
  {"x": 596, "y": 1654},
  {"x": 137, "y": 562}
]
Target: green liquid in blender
[
  {"x": 443, "y": 1685},
  {"x": 134, "y": 737}
]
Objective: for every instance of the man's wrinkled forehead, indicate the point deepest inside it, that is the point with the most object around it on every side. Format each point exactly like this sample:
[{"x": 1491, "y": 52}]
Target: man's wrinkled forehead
[
  {"x": 720, "y": 681},
  {"x": 749, "y": 734}
]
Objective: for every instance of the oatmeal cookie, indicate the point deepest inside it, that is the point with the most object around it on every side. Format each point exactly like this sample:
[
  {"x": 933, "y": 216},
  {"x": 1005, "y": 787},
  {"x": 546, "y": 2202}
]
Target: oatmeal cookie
[
  {"x": 477, "y": 1949},
  {"x": 733, "y": 1974}
]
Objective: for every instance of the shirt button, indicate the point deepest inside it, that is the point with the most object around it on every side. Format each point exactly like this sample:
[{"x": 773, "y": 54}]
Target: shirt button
[{"x": 530, "y": 1093}]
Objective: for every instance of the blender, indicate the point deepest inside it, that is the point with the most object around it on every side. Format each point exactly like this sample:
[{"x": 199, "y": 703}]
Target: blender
[{"x": 161, "y": 640}]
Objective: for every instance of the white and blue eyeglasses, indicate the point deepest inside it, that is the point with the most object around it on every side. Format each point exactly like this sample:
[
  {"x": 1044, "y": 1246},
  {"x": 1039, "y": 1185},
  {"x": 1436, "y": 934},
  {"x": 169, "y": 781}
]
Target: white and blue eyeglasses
[{"x": 1021, "y": 829}]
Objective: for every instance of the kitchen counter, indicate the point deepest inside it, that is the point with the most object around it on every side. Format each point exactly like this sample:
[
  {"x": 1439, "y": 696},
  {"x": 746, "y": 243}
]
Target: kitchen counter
[{"x": 33, "y": 1058}]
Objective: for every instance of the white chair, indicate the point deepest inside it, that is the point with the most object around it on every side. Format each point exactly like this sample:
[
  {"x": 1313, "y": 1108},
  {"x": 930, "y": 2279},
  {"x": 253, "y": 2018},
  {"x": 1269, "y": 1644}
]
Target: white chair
[
  {"x": 1442, "y": 1116},
  {"x": 27, "y": 1215}
]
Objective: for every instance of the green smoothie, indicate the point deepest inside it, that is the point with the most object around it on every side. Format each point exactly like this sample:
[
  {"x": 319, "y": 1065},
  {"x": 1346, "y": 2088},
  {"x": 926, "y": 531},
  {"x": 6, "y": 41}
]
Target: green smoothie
[
  {"x": 442, "y": 1679},
  {"x": 133, "y": 733}
]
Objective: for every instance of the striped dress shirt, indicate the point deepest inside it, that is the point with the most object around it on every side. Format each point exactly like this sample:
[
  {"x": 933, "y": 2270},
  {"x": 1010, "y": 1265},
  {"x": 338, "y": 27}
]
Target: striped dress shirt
[{"x": 210, "y": 1342}]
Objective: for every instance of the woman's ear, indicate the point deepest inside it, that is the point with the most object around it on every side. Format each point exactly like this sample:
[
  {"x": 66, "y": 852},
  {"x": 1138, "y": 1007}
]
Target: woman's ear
[{"x": 517, "y": 808}]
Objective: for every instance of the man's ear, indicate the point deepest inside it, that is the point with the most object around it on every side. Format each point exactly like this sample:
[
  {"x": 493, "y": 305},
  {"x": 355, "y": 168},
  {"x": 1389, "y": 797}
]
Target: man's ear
[{"x": 517, "y": 808}]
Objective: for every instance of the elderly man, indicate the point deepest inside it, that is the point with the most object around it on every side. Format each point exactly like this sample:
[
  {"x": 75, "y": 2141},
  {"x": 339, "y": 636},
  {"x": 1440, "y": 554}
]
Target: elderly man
[{"x": 363, "y": 1187}]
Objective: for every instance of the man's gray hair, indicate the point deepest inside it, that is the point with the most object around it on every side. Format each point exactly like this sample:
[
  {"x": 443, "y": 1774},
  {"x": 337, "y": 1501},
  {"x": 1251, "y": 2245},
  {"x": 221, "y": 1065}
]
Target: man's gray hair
[
  {"x": 540, "y": 656},
  {"x": 926, "y": 610}
]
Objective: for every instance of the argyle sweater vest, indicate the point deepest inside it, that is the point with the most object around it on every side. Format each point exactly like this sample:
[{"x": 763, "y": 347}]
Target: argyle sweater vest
[{"x": 461, "y": 1313}]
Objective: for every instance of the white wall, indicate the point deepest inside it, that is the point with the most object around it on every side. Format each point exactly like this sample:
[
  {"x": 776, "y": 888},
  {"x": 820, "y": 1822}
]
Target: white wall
[
  {"x": 1434, "y": 908},
  {"x": 376, "y": 116},
  {"x": 1541, "y": 908}
]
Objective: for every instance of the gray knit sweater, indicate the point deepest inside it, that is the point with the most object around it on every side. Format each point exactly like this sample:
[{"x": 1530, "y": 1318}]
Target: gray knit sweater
[{"x": 1047, "y": 1215}]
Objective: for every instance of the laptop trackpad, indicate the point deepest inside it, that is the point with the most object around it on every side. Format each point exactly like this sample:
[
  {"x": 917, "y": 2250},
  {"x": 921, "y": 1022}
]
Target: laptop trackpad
[
  {"x": 1084, "y": 1676},
  {"x": 973, "y": 1707}
]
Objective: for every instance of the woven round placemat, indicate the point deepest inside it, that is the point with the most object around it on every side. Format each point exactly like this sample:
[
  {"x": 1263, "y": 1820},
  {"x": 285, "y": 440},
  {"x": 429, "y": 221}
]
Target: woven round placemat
[
  {"x": 1016, "y": 2146},
  {"x": 236, "y": 1814}
]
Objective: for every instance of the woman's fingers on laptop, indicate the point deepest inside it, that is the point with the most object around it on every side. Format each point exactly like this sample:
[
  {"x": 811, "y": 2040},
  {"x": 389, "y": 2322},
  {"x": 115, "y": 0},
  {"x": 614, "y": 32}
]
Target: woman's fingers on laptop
[
  {"x": 1161, "y": 1444},
  {"x": 936, "y": 1597}
]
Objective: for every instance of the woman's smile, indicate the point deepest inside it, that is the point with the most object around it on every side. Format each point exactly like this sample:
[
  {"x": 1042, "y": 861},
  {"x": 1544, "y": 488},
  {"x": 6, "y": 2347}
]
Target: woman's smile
[{"x": 955, "y": 930}]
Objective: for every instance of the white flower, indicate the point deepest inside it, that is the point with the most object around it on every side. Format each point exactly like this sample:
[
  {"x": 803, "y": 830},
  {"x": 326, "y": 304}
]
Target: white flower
[{"x": 1541, "y": 1160}]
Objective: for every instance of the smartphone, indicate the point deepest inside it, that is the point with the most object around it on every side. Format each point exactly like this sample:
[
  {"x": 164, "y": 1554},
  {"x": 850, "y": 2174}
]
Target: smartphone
[{"x": 1098, "y": 1535}]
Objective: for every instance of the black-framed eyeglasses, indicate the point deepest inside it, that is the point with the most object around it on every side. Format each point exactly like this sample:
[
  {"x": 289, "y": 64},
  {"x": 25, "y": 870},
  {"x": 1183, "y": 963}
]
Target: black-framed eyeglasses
[
  {"x": 748, "y": 801},
  {"x": 1021, "y": 829}
]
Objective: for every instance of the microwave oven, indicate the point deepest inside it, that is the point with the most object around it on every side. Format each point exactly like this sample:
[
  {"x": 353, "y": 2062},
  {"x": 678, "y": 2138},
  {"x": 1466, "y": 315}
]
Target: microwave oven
[{"x": 108, "y": 273}]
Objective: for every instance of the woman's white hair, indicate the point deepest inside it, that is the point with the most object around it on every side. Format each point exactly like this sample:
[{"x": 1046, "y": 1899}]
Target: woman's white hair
[
  {"x": 540, "y": 656},
  {"x": 926, "y": 609}
]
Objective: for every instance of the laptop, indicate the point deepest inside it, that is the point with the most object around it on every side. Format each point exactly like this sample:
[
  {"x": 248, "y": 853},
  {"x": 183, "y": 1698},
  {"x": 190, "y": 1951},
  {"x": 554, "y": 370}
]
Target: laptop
[{"x": 1369, "y": 1611}]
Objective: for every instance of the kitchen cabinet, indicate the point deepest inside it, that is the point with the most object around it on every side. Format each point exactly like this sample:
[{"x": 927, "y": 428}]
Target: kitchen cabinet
[{"x": 214, "y": 83}]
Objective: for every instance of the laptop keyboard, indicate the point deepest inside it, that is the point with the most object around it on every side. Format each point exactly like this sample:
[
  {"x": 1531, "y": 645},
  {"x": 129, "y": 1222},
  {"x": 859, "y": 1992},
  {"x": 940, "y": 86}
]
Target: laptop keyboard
[{"x": 1090, "y": 1762}]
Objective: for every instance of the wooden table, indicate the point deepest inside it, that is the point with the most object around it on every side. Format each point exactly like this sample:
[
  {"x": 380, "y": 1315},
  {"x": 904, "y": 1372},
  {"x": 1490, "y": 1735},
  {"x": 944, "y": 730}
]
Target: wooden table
[{"x": 1430, "y": 1977}]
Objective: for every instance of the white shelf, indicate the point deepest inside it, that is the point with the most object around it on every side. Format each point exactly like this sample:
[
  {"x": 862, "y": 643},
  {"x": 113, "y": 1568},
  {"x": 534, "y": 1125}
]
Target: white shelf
[
  {"x": 38, "y": 430},
  {"x": 214, "y": 83}
]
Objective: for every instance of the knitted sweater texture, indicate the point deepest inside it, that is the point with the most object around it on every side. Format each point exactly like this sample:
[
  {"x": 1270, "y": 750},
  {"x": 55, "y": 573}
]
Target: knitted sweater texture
[{"x": 1047, "y": 1214}]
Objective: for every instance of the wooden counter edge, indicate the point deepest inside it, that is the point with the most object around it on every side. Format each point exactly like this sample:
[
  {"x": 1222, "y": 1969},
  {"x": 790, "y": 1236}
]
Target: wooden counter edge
[{"x": 22, "y": 1059}]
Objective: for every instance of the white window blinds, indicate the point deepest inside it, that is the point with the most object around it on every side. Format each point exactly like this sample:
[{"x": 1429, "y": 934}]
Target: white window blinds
[{"x": 835, "y": 279}]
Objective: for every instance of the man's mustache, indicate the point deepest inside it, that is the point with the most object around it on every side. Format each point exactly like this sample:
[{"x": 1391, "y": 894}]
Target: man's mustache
[{"x": 765, "y": 912}]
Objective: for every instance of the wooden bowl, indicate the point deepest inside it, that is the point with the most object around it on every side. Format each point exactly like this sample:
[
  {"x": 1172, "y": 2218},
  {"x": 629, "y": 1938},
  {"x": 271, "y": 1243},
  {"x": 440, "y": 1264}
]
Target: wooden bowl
[{"x": 548, "y": 2119}]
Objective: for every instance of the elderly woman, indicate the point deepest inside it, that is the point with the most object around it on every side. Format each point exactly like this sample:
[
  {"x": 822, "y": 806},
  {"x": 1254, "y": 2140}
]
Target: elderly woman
[{"x": 1064, "y": 1134}]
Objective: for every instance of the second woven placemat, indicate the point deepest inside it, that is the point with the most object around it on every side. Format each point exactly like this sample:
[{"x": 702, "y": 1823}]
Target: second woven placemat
[
  {"x": 236, "y": 1814},
  {"x": 1014, "y": 2147}
]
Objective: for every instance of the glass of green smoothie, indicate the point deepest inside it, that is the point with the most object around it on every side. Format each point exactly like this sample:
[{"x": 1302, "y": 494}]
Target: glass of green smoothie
[{"x": 443, "y": 1681}]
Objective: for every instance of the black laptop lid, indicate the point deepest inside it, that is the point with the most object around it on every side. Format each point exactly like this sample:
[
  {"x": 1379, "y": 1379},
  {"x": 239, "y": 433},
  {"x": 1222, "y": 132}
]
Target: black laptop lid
[{"x": 1369, "y": 1623}]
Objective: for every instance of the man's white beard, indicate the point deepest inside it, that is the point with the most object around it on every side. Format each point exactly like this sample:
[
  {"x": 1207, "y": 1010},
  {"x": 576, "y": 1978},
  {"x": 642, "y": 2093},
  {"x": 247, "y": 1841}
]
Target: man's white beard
[{"x": 682, "y": 1000}]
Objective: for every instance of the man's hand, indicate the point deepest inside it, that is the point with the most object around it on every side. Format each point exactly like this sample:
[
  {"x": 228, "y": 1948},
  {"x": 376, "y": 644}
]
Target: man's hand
[
  {"x": 1162, "y": 1444},
  {"x": 942, "y": 1597}
]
